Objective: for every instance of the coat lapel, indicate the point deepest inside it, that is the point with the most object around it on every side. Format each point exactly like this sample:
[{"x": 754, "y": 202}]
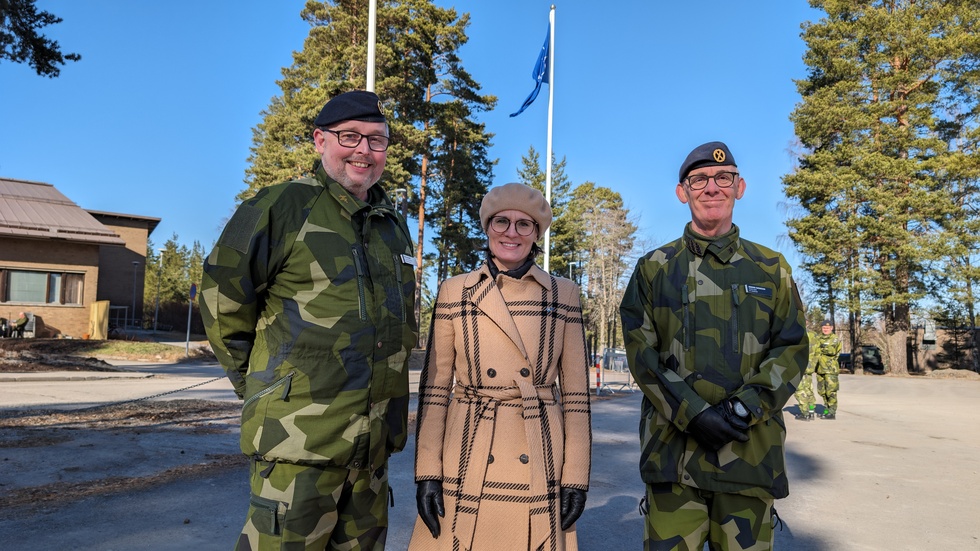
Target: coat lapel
[{"x": 485, "y": 295}]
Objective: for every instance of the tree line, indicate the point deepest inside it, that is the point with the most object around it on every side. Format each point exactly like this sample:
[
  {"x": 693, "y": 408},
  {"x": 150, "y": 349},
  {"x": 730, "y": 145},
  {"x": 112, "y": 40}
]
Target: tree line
[
  {"x": 885, "y": 197},
  {"x": 884, "y": 205},
  {"x": 439, "y": 166}
]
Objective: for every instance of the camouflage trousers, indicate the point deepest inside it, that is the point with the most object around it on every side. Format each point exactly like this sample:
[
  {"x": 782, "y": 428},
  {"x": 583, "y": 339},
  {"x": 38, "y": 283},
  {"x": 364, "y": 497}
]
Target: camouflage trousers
[
  {"x": 827, "y": 386},
  {"x": 804, "y": 393},
  {"x": 305, "y": 508},
  {"x": 683, "y": 518}
]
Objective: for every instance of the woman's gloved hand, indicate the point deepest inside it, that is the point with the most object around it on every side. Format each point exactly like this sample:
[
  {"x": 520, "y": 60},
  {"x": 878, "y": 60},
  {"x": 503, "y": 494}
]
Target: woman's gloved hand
[
  {"x": 572, "y": 505},
  {"x": 428, "y": 497}
]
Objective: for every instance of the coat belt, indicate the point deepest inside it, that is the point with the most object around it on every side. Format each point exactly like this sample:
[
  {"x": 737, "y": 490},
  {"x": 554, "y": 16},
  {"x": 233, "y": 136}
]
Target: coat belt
[{"x": 483, "y": 402}]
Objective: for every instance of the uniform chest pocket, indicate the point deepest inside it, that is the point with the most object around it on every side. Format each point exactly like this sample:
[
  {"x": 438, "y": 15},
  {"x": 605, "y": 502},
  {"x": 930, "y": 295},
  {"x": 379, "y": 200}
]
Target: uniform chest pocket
[
  {"x": 405, "y": 279},
  {"x": 752, "y": 308}
]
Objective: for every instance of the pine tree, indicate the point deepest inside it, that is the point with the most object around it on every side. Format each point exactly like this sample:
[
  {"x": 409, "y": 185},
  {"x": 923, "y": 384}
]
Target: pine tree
[
  {"x": 874, "y": 107},
  {"x": 20, "y": 41},
  {"x": 431, "y": 100},
  {"x": 566, "y": 231}
]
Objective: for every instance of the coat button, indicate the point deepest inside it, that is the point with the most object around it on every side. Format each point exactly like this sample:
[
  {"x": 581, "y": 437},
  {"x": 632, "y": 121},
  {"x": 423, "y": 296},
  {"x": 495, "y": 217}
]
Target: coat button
[
  {"x": 525, "y": 372},
  {"x": 490, "y": 459},
  {"x": 524, "y": 458},
  {"x": 356, "y": 465},
  {"x": 491, "y": 372}
]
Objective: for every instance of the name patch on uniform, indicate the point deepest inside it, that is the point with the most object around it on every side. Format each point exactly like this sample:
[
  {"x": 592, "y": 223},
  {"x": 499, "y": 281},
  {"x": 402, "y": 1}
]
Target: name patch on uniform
[
  {"x": 408, "y": 260},
  {"x": 759, "y": 291}
]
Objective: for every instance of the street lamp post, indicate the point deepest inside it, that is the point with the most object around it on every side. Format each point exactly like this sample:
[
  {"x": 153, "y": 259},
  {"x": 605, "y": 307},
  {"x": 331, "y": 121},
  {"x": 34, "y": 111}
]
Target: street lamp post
[
  {"x": 156, "y": 310},
  {"x": 136, "y": 265},
  {"x": 401, "y": 200}
]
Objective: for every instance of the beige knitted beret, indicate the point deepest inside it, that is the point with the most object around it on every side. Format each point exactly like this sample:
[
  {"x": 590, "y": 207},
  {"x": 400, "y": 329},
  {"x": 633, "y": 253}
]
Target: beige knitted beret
[{"x": 520, "y": 197}]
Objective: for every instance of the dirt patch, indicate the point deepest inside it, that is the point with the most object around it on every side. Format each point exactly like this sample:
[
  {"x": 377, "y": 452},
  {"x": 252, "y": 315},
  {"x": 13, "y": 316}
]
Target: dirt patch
[
  {"x": 954, "y": 374},
  {"x": 28, "y": 501},
  {"x": 52, "y": 458},
  {"x": 38, "y": 355},
  {"x": 145, "y": 414}
]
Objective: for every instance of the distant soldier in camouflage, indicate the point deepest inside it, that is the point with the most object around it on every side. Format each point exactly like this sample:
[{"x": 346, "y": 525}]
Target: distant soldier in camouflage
[
  {"x": 308, "y": 301},
  {"x": 826, "y": 357},
  {"x": 715, "y": 338},
  {"x": 805, "y": 399}
]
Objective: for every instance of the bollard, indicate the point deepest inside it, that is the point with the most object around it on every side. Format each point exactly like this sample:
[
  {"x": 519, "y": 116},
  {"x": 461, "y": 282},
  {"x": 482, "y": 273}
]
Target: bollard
[{"x": 598, "y": 378}]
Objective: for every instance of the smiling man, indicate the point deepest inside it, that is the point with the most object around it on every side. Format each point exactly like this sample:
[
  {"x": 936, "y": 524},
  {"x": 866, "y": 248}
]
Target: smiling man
[
  {"x": 308, "y": 301},
  {"x": 715, "y": 338}
]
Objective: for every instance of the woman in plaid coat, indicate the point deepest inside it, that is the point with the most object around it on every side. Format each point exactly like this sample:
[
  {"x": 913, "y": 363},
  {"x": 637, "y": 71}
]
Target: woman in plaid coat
[{"x": 503, "y": 441}]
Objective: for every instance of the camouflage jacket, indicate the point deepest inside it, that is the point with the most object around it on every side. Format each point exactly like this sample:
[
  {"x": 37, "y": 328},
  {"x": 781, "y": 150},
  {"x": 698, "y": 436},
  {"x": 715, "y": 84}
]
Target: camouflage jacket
[
  {"x": 308, "y": 301},
  {"x": 825, "y": 353},
  {"x": 706, "y": 321}
]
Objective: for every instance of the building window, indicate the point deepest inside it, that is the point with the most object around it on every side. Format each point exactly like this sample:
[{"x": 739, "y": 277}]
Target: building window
[{"x": 41, "y": 287}]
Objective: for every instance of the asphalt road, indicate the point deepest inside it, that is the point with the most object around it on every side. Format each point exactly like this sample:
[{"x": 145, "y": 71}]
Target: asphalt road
[{"x": 898, "y": 469}]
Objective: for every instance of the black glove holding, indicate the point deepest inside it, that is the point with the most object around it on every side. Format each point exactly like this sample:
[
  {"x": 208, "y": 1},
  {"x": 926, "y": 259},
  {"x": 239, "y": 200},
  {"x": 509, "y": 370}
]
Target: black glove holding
[
  {"x": 572, "y": 505},
  {"x": 428, "y": 498},
  {"x": 712, "y": 428},
  {"x": 730, "y": 413}
]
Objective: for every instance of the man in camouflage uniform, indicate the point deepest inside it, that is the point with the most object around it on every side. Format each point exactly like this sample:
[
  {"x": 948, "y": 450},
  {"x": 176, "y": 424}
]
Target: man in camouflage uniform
[
  {"x": 715, "y": 338},
  {"x": 308, "y": 301},
  {"x": 806, "y": 402},
  {"x": 826, "y": 358}
]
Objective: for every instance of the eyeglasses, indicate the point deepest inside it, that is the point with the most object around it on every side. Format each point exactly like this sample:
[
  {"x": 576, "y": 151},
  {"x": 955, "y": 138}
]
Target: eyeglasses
[
  {"x": 722, "y": 179},
  {"x": 523, "y": 226},
  {"x": 351, "y": 139}
]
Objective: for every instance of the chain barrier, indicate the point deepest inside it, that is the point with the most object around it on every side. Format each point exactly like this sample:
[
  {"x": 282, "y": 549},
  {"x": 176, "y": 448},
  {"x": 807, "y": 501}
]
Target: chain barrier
[{"x": 110, "y": 404}]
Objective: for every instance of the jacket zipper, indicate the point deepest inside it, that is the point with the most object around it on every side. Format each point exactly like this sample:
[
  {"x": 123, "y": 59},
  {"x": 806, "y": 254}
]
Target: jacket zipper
[
  {"x": 285, "y": 382},
  {"x": 686, "y": 322},
  {"x": 397, "y": 259},
  {"x": 359, "y": 269},
  {"x": 734, "y": 318}
]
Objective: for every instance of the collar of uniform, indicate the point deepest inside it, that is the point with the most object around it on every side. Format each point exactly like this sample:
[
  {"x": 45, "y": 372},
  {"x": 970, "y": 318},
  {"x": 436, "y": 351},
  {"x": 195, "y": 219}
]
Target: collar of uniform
[
  {"x": 722, "y": 247},
  {"x": 536, "y": 273},
  {"x": 376, "y": 196}
]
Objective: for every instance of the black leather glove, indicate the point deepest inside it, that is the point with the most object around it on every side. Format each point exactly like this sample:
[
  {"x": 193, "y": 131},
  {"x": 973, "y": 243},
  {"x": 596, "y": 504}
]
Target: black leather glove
[
  {"x": 572, "y": 505},
  {"x": 428, "y": 497},
  {"x": 712, "y": 430},
  {"x": 728, "y": 411}
]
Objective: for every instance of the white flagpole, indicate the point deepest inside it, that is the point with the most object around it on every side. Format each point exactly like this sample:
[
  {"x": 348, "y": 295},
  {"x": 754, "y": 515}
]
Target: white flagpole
[
  {"x": 372, "y": 22},
  {"x": 551, "y": 110}
]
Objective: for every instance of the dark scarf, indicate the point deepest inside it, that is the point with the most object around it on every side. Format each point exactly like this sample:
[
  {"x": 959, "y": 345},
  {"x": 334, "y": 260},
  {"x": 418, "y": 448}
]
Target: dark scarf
[{"x": 516, "y": 273}]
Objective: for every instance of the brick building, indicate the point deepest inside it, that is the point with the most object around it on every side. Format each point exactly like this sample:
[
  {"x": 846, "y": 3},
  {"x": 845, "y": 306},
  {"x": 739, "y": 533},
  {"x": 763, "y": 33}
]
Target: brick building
[{"x": 57, "y": 259}]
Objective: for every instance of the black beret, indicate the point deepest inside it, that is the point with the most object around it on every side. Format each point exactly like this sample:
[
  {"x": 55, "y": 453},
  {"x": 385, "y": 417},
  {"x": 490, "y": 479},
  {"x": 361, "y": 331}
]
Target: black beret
[
  {"x": 826, "y": 323},
  {"x": 709, "y": 154},
  {"x": 358, "y": 105}
]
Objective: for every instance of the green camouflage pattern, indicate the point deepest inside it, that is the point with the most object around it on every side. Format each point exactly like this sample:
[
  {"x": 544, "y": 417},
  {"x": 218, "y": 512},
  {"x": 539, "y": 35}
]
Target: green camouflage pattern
[
  {"x": 804, "y": 392},
  {"x": 826, "y": 358},
  {"x": 827, "y": 386},
  {"x": 306, "y": 508},
  {"x": 308, "y": 302},
  {"x": 706, "y": 321},
  {"x": 682, "y": 518},
  {"x": 825, "y": 354}
]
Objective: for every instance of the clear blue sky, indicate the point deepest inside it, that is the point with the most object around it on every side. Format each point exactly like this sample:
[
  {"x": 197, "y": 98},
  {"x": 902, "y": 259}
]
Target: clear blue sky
[{"x": 156, "y": 119}]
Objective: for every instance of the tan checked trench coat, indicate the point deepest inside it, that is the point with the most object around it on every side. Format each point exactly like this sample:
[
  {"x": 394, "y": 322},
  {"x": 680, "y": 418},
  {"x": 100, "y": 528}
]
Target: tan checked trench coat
[{"x": 504, "y": 417}]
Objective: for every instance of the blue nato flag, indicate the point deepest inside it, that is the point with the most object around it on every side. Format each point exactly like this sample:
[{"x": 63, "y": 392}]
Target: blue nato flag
[{"x": 540, "y": 73}]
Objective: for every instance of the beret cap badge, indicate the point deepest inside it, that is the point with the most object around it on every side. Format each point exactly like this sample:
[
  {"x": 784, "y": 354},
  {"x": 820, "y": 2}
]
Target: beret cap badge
[
  {"x": 706, "y": 154},
  {"x": 356, "y": 105}
]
